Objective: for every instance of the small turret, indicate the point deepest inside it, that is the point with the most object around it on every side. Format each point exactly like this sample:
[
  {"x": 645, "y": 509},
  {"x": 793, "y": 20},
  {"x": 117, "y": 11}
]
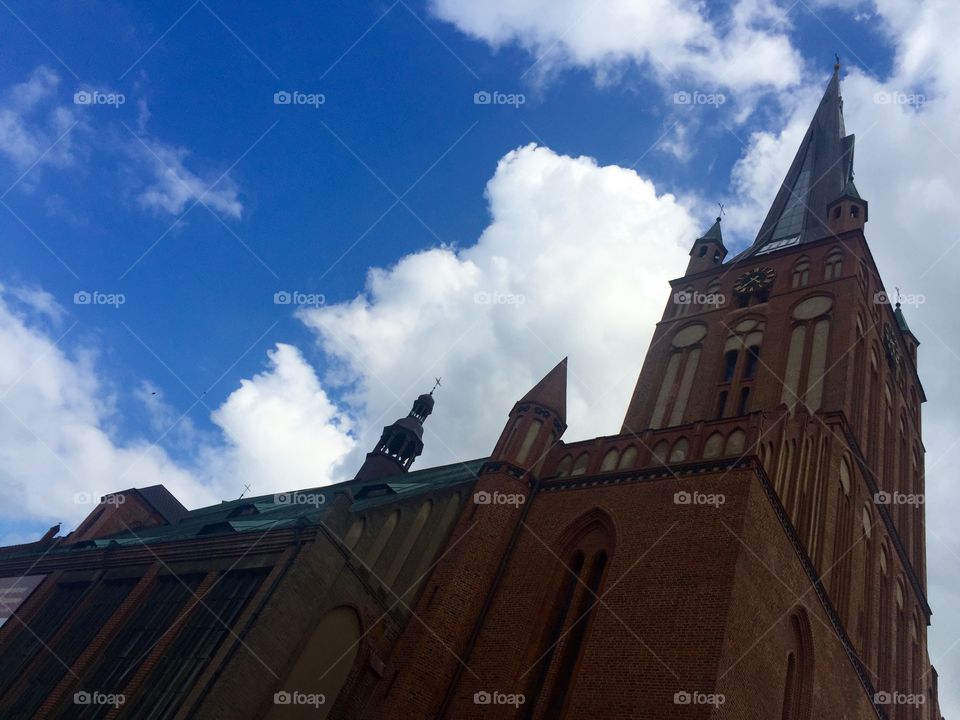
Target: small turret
[
  {"x": 400, "y": 443},
  {"x": 708, "y": 250},
  {"x": 848, "y": 211},
  {"x": 536, "y": 422}
]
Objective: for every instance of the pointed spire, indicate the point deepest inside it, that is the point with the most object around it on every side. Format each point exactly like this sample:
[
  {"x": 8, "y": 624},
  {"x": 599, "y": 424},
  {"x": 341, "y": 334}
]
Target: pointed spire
[
  {"x": 713, "y": 233},
  {"x": 901, "y": 320},
  {"x": 551, "y": 391},
  {"x": 821, "y": 170}
]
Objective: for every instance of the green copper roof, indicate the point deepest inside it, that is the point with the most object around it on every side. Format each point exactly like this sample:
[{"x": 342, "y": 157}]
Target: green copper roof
[
  {"x": 713, "y": 233},
  {"x": 901, "y": 320}
]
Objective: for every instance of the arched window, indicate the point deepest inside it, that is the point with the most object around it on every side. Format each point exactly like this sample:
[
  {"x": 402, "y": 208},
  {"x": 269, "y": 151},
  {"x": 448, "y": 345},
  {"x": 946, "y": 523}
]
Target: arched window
[
  {"x": 798, "y": 678},
  {"x": 354, "y": 533},
  {"x": 569, "y": 616},
  {"x": 323, "y": 666},
  {"x": 413, "y": 534},
  {"x": 714, "y": 299},
  {"x": 743, "y": 405},
  {"x": 628, "y": 459},
  {"x": 563, "y": 469},
  {"x": 683, "y": 301},
  {"x": 833, "y": 266},
  {"x": 610, "y": 460},
  {"x": 721, "y": 404},
  {"x": 730, "y": 364},
  {"x": 679, "y": 451},
  {"x": 714, "y": 446},
  {"x": 580, "y": 467},
  {"x": 801, "y": 272},
  {"x": 661, "y": 450},
  {"x": 753, "y": 360},
  {"x": 386, "y": 532},
  {"x": 736, "y": 441}
]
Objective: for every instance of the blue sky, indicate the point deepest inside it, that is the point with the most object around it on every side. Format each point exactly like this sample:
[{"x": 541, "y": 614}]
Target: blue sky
[
  {"x": 398, "y": 199},
  {"x": 398, "y": 88}
]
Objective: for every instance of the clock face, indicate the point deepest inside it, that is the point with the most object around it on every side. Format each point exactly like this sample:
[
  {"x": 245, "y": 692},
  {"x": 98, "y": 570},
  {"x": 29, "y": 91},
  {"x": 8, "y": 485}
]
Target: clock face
[{"x": 760, "y": 278}]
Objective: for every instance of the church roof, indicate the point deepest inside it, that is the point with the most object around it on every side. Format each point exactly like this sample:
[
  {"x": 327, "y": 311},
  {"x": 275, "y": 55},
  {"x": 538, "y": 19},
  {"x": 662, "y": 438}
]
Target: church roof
[
  {"x": 713, "y": 234},
  {"x": 551, "y": 391},
  {"x": 821, "y": 172}
]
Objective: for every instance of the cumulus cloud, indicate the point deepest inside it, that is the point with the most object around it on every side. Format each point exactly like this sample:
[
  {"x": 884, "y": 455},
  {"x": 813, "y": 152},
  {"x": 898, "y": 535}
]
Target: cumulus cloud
[
  {"x": 669, "y": 38},
  {"x": 57, "y": 451},
  {"x": 281, "y": 430},
  {"x": 574, "y": 262}
]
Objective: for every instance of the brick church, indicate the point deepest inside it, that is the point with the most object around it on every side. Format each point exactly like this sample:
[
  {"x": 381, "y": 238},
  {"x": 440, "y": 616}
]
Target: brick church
[{"x": 749, "y": 545}]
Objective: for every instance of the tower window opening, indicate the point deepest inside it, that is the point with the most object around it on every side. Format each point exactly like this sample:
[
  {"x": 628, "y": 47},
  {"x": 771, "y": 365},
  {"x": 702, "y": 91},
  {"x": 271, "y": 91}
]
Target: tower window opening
[
  {"x": 729, "y": 365},
  {"x": 836, "y": 211},
  {"x": 703, "y": 251},
  {"x": 721, "y": 404},
  {"x": 854, "y": 211},
  {"x": 743, "y": 406},
  {"x": 753, "y": 359}
]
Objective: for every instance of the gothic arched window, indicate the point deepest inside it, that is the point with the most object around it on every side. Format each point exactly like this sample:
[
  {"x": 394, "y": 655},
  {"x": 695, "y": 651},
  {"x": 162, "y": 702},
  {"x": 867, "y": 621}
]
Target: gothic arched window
[
  {"x": 801, "y": 272},
  {"x": 833, "y": 266}
]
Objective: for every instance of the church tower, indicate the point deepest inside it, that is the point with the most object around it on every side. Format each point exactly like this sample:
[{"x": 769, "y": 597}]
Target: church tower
[
  {"x": 795, "y": 339},
  {"x": 400, "y": 443}
]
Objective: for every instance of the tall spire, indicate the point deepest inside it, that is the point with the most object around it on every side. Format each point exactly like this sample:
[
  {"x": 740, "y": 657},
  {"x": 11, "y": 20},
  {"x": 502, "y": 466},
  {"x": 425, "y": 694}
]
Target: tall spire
[{"x": 819, "y": 173}]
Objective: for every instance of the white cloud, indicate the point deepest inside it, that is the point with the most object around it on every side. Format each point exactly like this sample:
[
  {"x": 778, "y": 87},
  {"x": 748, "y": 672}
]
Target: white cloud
[
  {"x": 173, "y": 187},
  {"x": 40, "y": 124},
  {"x": 574, "y": 262},
  {"x": 670, "y": 38},
  {"x": 31, "y": 122},
  {"x": 280, "y": 431}
]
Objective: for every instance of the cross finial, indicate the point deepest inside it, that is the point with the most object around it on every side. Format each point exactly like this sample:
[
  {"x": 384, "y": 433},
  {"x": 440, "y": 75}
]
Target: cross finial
[
  {"x": 246, "y": 489},
  {"x": 836, "y": 64},
  {"x": 435, "y": 385},
  {"x": 722, "y": 211}
]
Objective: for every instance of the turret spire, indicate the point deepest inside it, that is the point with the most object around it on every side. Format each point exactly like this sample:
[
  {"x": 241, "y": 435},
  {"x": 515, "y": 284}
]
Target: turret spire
[{"x": 400, "y": 443}]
